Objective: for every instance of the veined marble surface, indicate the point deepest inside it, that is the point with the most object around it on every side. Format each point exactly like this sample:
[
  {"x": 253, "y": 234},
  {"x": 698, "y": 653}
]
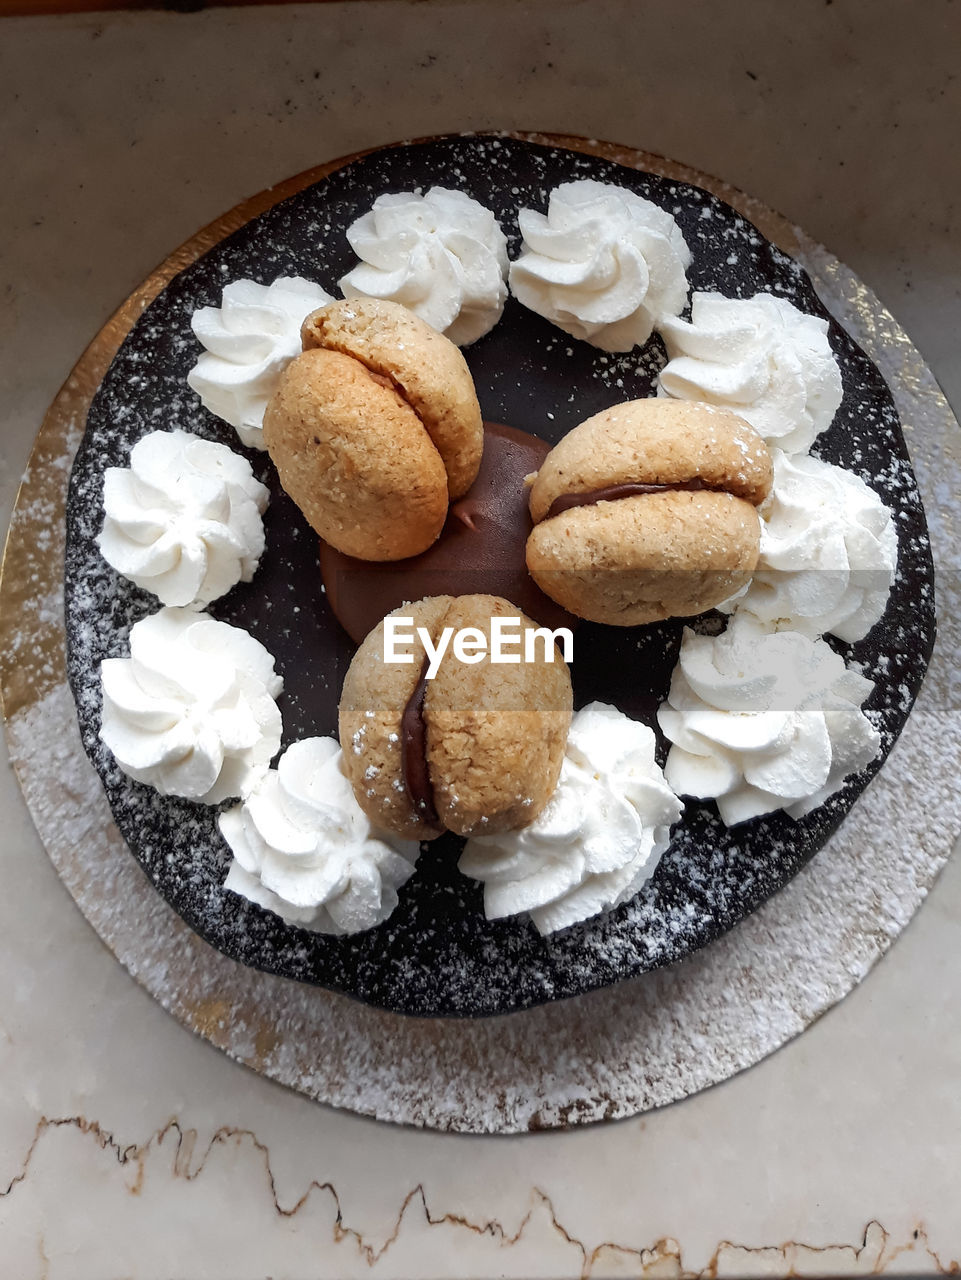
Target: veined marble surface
[{"x": 130, "y": 1148}]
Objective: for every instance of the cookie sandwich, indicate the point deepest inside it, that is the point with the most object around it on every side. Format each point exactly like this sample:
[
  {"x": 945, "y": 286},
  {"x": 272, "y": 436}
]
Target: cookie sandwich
[
  {"x": 445, "y": 737},
  {"x": 647, "y": 511},
  {"x": 374, "y": 428}
]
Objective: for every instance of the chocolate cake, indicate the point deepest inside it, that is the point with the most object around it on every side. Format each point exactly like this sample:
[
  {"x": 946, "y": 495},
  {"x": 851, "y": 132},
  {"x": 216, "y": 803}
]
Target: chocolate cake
[{"x": 437, "y": 955}]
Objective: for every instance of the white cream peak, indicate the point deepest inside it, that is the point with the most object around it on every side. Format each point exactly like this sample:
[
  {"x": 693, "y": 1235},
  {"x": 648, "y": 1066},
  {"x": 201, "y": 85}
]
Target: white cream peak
[
  {"x": 829, "y": 552},
  {"x": 183, "y": 519},
  {"x": 603, "y": 264},
  {"x": 440, "y": 254},
  {"x": 192, "y": 711},
  {"x": 304, "y": 849},
  {"x": 600, "y": 837},
  {"x": 761, "y": 357},
  {"x": 249, "y": 341},
  {"x": 763, "y": 720}
]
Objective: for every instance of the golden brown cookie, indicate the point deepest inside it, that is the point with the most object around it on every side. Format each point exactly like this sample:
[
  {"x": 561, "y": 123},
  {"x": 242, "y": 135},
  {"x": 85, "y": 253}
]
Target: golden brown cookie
[
  {"x": 648, "y": 511},
  {"x": 477, "y": 749},
  {"x": 355, "y": 458},
  {"x": 373, "y": 427},
  {"x": 427, "y": 369}
]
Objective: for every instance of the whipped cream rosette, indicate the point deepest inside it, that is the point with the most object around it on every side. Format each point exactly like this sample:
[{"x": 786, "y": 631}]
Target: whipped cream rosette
[
  {"x": 192, "y": 711},
  {"x": 600, "y": 837},
  {"x": 250, "y": 339},
  {"x": 603, "y": 264},
  {"x": 304, "y": 849},
  {"x": 763, "y": 720},
  {"x": 761, "y": 357},
  {"x": 442, "y": 255},
  {"x": 829, "y": 552},
  {"x": 183, "y": 520}
]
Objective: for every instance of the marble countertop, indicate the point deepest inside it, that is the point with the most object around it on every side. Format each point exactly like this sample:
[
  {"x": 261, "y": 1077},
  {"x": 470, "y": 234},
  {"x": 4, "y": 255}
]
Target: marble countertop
[{"x": 129, "y": 1148}]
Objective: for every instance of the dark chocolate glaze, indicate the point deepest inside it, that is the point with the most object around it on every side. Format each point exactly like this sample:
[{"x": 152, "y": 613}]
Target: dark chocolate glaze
[
  {"x": 613, "y": 492},
  {"x": 437, "y": 955},
  {"x": 480, "y": 549},
  {"x": 413, "y": 745}
]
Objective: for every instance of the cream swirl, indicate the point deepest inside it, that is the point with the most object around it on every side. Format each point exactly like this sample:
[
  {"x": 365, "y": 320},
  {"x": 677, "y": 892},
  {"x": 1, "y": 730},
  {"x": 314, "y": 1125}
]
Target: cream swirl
[
  {"x": 442, "y": 255},
  {"x": 603, "y": 264},
  {"x": 183, "y": 520},
  {"x": 759, "y": 356},
  {"x": 191, "y": 712},
  {"x": 250, "y": 339},
  {"x": 598, "y": 840},
  {"x": 304, "y": 849},
  {"x": 829, "y": 552},
  {"x": 763, "y": 720}
]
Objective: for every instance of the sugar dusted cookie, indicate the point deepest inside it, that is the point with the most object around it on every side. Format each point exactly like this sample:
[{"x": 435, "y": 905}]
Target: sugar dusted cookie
[
  {"x": 427, "y": 370},
  {"x": 373, "y": 428},
  {"x": 648, "y": 511},
  {"x": 476, "y": 749}
]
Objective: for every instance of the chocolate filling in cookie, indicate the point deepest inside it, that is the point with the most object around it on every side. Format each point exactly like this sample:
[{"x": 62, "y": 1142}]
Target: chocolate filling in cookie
[
  {"x": 413, "y": 738},
  {"x": 611, "y": 493}
]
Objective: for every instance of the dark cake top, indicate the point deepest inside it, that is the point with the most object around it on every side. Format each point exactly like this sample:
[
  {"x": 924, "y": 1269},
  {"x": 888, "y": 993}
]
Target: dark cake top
[{"x": 437, "y": 954}]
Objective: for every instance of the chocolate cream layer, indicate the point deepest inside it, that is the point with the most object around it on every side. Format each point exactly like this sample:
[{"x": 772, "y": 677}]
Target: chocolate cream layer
[
  {"x": 413, "y": 742},
  {"x": 480, "y": 549},
  {"x": 613, "y": 492}
]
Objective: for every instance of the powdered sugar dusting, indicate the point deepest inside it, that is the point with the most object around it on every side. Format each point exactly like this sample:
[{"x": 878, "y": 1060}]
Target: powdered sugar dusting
[
  {"x": 645, "y": 1043},
  {"x": 437, "y": 954}
]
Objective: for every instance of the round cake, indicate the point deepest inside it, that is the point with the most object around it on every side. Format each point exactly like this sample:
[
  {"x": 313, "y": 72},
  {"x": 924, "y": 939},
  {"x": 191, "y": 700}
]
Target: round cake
[{"x": 437, "y": 953}]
